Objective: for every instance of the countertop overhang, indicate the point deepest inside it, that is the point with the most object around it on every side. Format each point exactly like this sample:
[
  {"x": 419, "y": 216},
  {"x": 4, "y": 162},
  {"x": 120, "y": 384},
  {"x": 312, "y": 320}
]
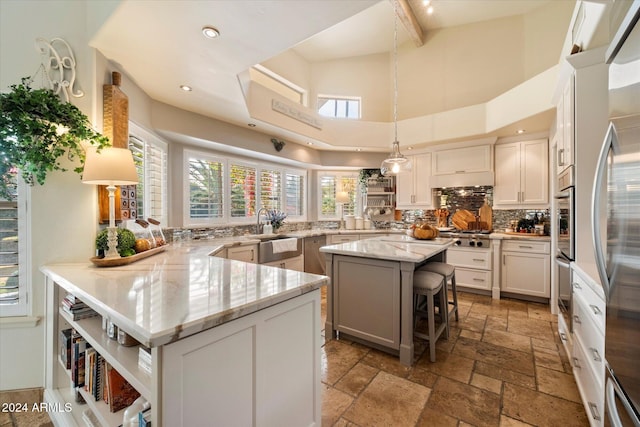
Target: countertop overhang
[{"x": 181, "y": 291}]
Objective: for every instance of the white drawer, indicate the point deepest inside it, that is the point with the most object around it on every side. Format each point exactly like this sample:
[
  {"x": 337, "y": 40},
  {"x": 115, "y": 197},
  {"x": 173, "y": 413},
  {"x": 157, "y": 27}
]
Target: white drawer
[
  {"x": 470, "y": 258},
  {"x": 587, "y": 334},
  {"x": 344, "y": 238},
  {"x": 595, "y": 305},
  {"x": 526, "y": 246},
  {"x": 469, "y": 278},
  {"x": 592, "y": 394}
]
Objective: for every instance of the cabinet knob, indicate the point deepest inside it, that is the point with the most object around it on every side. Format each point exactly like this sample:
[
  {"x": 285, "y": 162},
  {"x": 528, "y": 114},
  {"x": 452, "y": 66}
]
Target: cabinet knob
[{"x": 596, "y": 310}]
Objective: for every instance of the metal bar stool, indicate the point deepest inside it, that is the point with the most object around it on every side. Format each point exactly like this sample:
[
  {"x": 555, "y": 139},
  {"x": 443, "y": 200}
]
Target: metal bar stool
[
  {"x": 449, "y": 273},
  {"x": 430, "y": 285}
]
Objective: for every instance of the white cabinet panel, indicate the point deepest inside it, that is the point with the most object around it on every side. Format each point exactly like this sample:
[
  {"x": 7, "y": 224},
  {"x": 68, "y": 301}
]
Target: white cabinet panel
[
  {"x": 522, "y": 174},
  {"x": 246, "y": 253},
  {"x": 462, "y": 160},
  {"x": 413, "y": 189}
]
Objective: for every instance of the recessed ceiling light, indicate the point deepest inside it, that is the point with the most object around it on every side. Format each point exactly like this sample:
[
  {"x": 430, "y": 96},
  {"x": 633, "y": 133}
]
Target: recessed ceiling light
[
  {"x": 186, "y": 88},
  {"x": 409, "y": 148},
  {"x": 520, "y": 131},
  {"x": 251, "y": 125},
  {"x": 430, "y": 10},
  {"x": 358, "y": 149},
  {"x": 426, "y": 2},
  {"x": 309, "y": 143},
  {"x": 210, "y": 32}
]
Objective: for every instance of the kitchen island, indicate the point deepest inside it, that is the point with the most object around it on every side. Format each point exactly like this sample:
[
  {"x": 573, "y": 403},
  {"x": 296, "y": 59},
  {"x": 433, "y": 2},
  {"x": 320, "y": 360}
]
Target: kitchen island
[
  {"x": 231, "y": 343},
  {"x": 370, "y": 297}
]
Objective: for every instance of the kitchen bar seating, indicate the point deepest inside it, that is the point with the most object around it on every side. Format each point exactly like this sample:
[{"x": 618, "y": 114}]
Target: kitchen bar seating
[
  {"x": 449, "y": 273},
  {"x": 431, "y": 286}
]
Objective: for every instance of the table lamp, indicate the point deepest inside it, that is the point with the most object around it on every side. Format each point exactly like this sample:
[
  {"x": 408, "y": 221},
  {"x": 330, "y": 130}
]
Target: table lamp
[
  {"x": 342, "y": 197},
  {"x": 111, "y": 167}
]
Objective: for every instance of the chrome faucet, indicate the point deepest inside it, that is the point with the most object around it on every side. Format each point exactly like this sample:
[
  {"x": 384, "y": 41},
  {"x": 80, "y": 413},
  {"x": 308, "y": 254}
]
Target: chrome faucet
[{"x": 258, "y": 223}]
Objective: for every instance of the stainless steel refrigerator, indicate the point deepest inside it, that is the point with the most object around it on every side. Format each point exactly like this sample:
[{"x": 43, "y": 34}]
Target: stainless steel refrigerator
[{"x": 616, "y": 197}]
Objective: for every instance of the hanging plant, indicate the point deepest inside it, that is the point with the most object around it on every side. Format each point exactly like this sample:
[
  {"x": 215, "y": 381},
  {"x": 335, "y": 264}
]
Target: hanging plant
[{"x": 36, "y": 129}]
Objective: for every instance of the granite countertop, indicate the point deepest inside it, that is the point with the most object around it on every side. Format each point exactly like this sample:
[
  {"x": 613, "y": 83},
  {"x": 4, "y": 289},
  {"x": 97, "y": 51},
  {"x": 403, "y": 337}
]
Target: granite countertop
[
  {"x": 393, "y": 248},
  {"x": 519, "y": 236},
  {"x": 181, "y": 291}
]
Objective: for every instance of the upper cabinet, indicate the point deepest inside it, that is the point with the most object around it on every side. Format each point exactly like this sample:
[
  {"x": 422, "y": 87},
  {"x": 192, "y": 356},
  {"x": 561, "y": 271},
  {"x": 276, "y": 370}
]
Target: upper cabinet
[
  {"x": 564, "y": 129},
  {"x": 462, "y": 160},
  {"x": 522, "y": 174},
  {"x": 413, "y": 189}
]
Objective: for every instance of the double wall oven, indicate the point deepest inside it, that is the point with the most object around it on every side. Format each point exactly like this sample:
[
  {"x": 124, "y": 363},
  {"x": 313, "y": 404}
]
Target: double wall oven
[{"x": 565, "y": 230}]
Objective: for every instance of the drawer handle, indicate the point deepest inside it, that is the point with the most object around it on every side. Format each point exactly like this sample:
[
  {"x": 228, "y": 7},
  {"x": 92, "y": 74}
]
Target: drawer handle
[
  {"x": 576, "y": 363},
  {"x": 460, "y": 171},
  {"x": 596, "y": 355},
  {"x": 475, "y": 279},
  {"x": 596, "y": 310},
  {"x": 576, "y": 285},
  {"x": 563, "y": 336},
  {"x": 478, "y": 259},
  {"x": 576, "y": 319},
  {"x": 594, "y": 411},
  {"x": 525, "y": 247}
]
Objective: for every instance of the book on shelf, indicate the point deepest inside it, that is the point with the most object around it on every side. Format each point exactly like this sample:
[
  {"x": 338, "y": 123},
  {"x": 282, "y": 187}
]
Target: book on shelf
[
  {"x": 65, "y": 347},
  {"x": 79, "y": 314},
  {"x": 120, "y": 393}
]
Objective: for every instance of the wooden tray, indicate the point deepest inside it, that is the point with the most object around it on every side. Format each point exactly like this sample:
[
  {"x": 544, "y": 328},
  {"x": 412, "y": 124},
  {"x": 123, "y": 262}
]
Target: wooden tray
[{"x": 114, "y": 262}]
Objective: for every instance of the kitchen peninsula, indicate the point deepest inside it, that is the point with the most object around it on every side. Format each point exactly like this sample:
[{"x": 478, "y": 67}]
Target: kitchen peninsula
[
  {"x": 231, "y": 342},
  {"x": 370, "y": 297}
]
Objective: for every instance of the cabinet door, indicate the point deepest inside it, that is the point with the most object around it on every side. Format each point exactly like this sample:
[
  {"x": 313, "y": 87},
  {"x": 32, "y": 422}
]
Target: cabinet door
[
  {"x": 422, "y": 180},
  {"x": 568, "y": 119},
  {"x": 404, "y": 187},
  {"x": 526, "y": 273},
  {"x": 295, "y": 263},
  {"x": 534, "y": 172},
  {"x": 560, "y": 135},
  {"x": 507, "y": 188},
  {"x": 462, "y": 160},
  {"x": 246, "y": 253}
]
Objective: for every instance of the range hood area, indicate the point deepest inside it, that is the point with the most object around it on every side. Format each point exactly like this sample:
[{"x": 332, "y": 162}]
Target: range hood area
[{"x": 463, "y": 179}]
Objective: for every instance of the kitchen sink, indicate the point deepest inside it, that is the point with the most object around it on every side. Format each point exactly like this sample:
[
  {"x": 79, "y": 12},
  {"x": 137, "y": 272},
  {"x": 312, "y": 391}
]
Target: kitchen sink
[{"x": 266, "y": 253}]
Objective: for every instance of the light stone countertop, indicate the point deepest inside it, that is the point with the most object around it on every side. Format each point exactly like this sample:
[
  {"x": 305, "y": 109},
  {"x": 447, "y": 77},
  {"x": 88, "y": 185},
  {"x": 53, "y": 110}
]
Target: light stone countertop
[
  {"x": 520, "y": 236},
  {"x": 393, "y": 248},
  {"x": 181, "y": 291}
]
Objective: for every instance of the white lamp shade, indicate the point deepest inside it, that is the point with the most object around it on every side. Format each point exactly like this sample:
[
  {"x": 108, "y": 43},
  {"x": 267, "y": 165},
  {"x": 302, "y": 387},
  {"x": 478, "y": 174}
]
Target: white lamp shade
[
  {"x": 111, "y": 166},
  {"x": 342, "y": 197}
]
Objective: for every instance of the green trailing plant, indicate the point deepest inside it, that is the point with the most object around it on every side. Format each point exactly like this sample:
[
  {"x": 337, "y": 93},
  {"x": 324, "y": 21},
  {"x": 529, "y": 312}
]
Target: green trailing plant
[
  {"x": 365, "y": 174},
  {"x": 36, "y": 129}
]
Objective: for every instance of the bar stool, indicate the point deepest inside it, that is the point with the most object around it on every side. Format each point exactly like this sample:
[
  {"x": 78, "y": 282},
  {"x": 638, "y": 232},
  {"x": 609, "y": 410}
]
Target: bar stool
[
  {"x": 449, "y": 273},
  {"x": 431, "y": 286}
]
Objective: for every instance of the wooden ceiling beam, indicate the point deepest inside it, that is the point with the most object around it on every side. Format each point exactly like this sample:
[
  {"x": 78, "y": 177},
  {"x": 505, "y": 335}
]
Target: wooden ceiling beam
[{"x": 408, "y": 19}]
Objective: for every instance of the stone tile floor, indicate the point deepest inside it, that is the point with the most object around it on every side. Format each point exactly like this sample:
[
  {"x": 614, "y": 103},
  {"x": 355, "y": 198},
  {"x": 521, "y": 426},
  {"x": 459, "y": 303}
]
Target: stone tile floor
[{"x": 503, "y": 365}]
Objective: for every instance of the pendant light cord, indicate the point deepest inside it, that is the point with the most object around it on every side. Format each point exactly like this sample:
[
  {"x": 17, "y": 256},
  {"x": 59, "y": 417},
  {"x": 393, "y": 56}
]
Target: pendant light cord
[{"x": 395, "y": 71}]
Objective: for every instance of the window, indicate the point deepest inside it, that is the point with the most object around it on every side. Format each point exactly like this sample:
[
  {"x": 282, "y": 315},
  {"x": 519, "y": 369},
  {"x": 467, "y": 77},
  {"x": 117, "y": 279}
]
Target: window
[
  {"x": 150, "y": 157},
  {"x": 339, "y": 107},
  {"x": 232, "y": 190},
  {"x": 206, "y": 189},
  {"x": 330, "y": 184},
  {"x": 294, "y": 194},
  {"x": 271, "y": 189},
  {"x": 243, "y": 190},
  {"x": 14, "y": 279}
]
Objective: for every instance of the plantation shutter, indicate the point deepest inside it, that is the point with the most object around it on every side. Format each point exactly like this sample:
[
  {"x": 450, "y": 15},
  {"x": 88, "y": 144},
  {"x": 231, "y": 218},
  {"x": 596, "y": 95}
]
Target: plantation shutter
[
  {"x": 9, "y": 254},
  {"x": 271, "y": 189},
  {"x": 206, "y": 189},
  {"x": 294, "y": 194},
  {"x": 151, "y": 164},
  {"x": 243, "y": 190}
]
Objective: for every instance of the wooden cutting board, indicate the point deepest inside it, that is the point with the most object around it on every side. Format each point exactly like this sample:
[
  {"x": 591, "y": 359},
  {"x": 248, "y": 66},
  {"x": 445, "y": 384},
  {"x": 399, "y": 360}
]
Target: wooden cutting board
[
  {"x": 486, "y": 216},
  {"x": 462, "y": 218}
]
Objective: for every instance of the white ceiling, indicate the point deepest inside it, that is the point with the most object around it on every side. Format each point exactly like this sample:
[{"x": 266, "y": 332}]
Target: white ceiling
[{"x": 159, "y": 44}]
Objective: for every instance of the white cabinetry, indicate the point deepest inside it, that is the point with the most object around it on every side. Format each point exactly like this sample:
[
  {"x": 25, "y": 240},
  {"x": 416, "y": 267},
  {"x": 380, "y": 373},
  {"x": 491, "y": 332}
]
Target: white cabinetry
[
  {"x": 343, "y": 238},
  {"x": 526, "y": 268},
  {"x": 564, "y": 126},
  {"x": 257, "y": 370},
  {"x": 473, "y": 267},
  {"x": 246, "y": 253},
  {"x": 462, "y": 160},
  {"x": 380, "y": 199},
  {"x": 588, "y": 346},
  {"x": 295, "y": 263},
  {"x": 413, "y": 188},
  {"x": 522, "y": 173}
]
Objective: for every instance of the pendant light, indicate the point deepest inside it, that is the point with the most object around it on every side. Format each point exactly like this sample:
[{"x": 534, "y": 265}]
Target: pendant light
[{"x": 396, "y": 162}]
